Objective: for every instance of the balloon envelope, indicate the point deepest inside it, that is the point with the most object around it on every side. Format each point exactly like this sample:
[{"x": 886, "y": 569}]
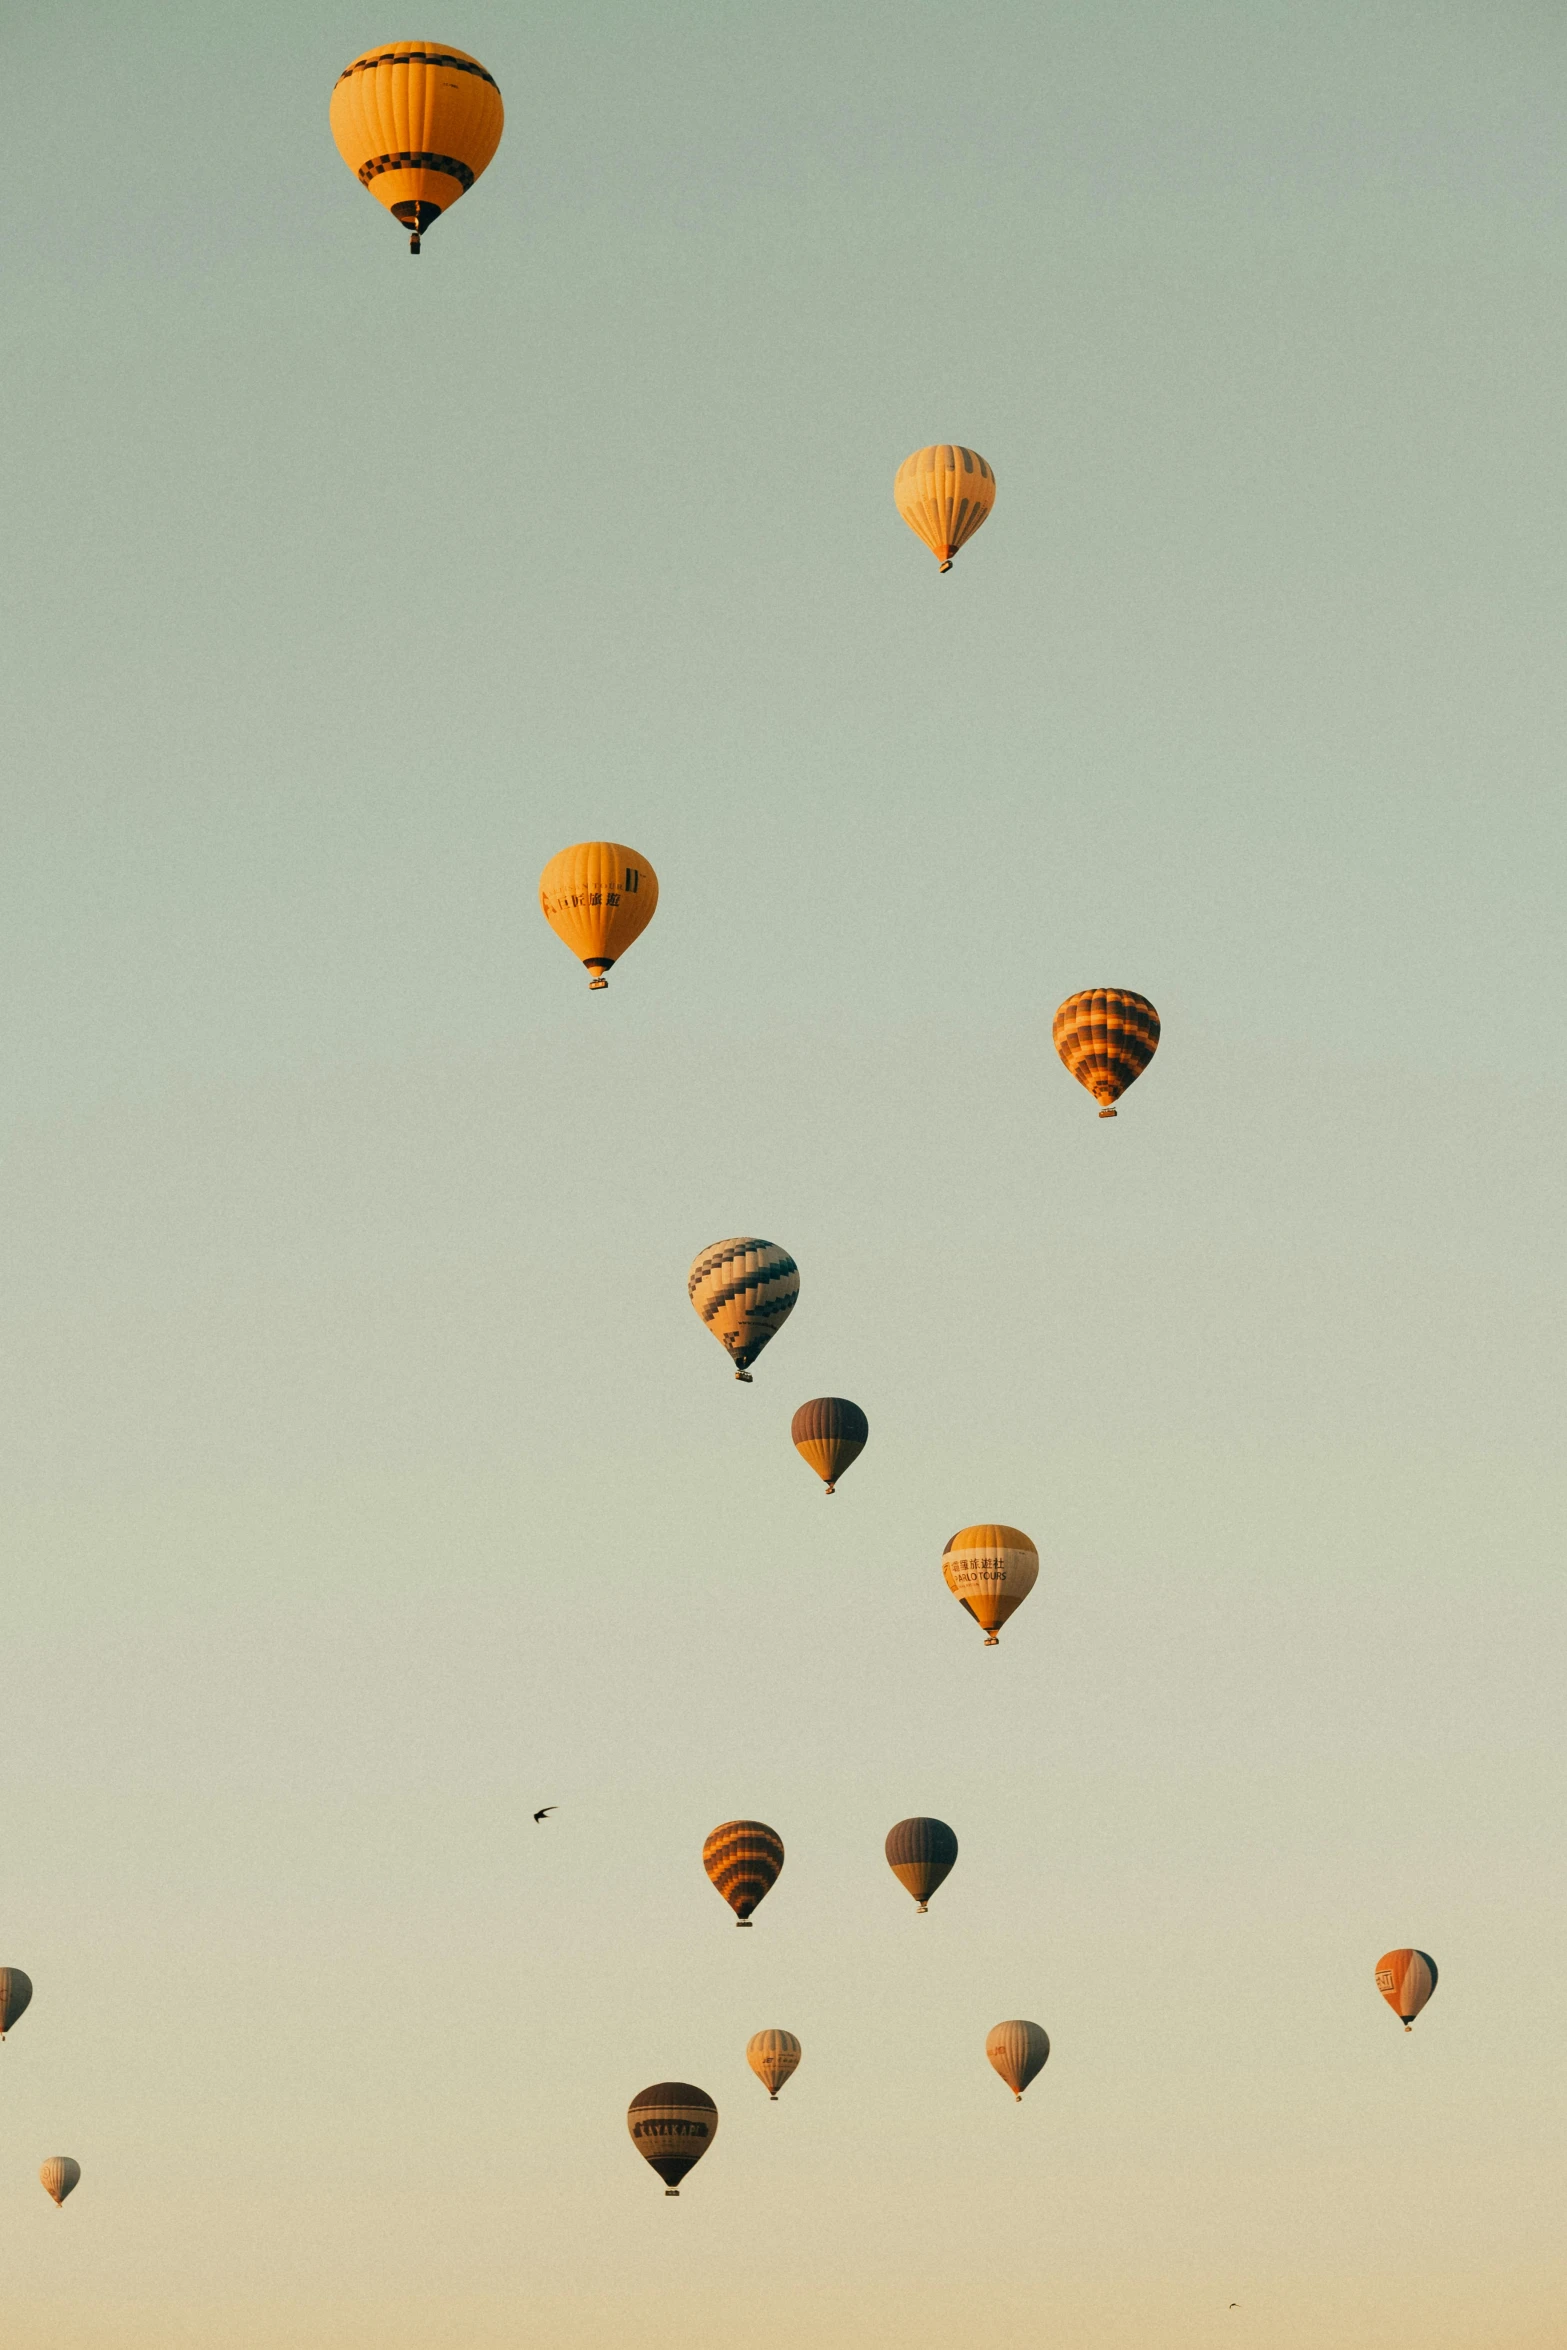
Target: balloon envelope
[
  {"x": 829, "y": 1433},
  {"x": 59, "y": 2175},
  {"x": 743, "y": 1859},
  {"x": 944, "y": 493},
  {"x": 16, "y": 1991},
  {"x": 672, "y": 2126},
  {"x": 992, "y": 1570},
  {"x": 772, "y": 2056},
  {"x": 598, "y": 897},
  {"x": 744, "y": 1290},
  {"x": 1106, "y": 1037},
  {"x": 920, "y": 1854},
  {"x": 1406, "y": 1980},
  {"x": 1018, "y": 2051},
  {"x": 416, "y": 122}
]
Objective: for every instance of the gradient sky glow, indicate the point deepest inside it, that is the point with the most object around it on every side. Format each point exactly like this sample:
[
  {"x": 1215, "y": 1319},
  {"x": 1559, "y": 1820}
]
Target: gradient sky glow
[{"x": 367, "y": 1478}]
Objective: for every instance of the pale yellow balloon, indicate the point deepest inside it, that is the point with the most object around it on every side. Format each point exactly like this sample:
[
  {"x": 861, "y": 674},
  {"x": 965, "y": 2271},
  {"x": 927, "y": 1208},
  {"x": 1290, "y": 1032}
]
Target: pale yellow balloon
[
  {"x": 772, "y": 2056},
  {"x": 59, "y": 2175},
  {"x": 598, "y": 898},
  {"x": 944, "y": 493}
]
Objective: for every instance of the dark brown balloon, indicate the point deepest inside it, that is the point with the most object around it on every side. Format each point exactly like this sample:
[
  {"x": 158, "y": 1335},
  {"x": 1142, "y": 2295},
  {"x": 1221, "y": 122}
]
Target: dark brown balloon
[
  {"x": 920, "y": 1854},
  {"x": 829, "y": 1432},
  {"x": 672, "y": 2126}
]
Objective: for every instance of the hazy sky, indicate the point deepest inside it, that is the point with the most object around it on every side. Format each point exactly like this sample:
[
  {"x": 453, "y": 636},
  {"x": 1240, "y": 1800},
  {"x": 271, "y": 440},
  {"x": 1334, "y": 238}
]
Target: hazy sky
[{"x": 368, "y": 1480}]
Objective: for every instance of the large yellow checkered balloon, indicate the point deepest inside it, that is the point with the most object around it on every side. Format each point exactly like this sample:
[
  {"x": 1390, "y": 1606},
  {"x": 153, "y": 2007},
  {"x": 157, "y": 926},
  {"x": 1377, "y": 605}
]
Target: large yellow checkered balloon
[{"x": 416, "y": 122}]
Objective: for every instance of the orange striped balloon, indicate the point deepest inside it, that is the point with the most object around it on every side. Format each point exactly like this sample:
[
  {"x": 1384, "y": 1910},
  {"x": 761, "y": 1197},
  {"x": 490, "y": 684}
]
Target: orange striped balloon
[
  {"x": 772, "y": 2056},
  {"x": 743, "y": 1858},
  {"x": 1106, "y": 1037},
  {"x": 1018, "y": 2050},
  {"x": 1406, "y": 1980},
  {"x": 944, "y": 493}
]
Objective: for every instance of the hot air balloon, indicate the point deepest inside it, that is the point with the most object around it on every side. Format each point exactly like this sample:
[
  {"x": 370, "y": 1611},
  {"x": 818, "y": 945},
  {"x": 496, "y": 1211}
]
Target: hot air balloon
[
  {"x": 1106, "y": 1036},
  {"x": 599, "y": 897},
  {"x": 672, "y": 2126},
  {"x": 944, "y": 494},
  {"x": 1406, "y": 1980},
  {"x": 772, "y": 2056},
  {"x": 416, "y": 122},
  {"x": 59, "y": 2175},
  {"x": 992, "y": 1570},
  {"x": 1018, "y": 2051},
  {"x": 16, "y": 1993},
  {"x": 829, "y": 1433},
  {"x": 743, "y": 1858},
  {"x": 744, "y": 1291},
  {"x": 920, "y": 1854}
]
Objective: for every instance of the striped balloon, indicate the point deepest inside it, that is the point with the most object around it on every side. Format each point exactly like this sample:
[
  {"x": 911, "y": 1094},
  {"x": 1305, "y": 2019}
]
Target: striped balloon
[
  {"x": 992, "y": 1570},
  {"x": 1106, "y": 1036},
  {"x": 1018, "y": 2051},
  {"x": 944, "y": 493},
  {"x": 59, "y": 2175},
  {"x": 744, "y": 1291},
  {"x": 772, "y": 2056},
  {"x": 920, "y": 1854},
  {"x": 1406, "y": 1980},
  {"x": 598, "y": 898},
  {"x": 672, "y": 2126},
  {"x": 16, "y": 1993},
  {"x": 829, "y": 1433},
  {"x": 743, "y": 1858}
]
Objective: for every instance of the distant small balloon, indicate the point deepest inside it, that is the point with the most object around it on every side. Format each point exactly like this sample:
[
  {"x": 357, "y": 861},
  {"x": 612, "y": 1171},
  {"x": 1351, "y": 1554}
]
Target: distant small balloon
[
  {"x": 1106, "y": 1037},
  {"x": 16, "y": 1992},
  {"x": 829, "y": 1434},
  {"x": 672, "y": 2126},
  {"x": 744, "y": 1291},
  {"x": 772, "y": 2056},
  {"x": 598, "y": 898},
  {"x": 991, "y": 1570},
  {"x": 1406, "y": 1980},
  {"x": 944, "y": 493},
  {"x": 1018, "y": 2051},
  {"x": 59, "y": 2175},
  {"x": 920, "y": 1854},
  {"x": 743, "y": 1858}
]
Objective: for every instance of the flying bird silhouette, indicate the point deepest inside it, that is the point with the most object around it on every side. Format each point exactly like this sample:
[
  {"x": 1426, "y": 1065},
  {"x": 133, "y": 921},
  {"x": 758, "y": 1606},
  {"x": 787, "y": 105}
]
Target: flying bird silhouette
[{"x": 538, "y": 1815}]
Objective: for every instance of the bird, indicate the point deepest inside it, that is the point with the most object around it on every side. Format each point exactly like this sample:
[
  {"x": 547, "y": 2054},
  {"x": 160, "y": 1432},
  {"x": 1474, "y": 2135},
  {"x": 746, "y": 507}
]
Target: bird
[{"x": 538, "y": 1815}]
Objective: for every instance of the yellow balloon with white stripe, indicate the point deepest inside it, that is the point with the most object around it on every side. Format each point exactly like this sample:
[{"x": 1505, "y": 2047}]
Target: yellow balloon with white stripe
[{"x": 992, "y": 1570}]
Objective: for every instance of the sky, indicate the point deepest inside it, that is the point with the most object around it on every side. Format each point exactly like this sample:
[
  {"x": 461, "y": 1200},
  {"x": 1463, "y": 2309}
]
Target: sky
[{"x": 367, "y": 1481}]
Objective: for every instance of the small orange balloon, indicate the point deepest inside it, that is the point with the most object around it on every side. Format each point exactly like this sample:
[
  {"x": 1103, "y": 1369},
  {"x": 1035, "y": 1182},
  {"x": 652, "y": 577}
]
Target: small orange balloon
[
  {"x": 598, "y": 898},
  {"x": 944, "y": 493},
  {"x": 1406, "y": 1980}
]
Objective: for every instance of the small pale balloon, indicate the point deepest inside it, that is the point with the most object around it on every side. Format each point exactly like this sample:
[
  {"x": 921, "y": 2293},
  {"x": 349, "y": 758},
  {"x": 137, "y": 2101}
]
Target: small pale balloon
[
  {"x": 60, "y": 2175},
  {"x": 772, "y": 2056},
  {"x": 1018, "y": 2051},
  {"x": 416, "y": 122},
  {"x": 672, "y": 2126}
]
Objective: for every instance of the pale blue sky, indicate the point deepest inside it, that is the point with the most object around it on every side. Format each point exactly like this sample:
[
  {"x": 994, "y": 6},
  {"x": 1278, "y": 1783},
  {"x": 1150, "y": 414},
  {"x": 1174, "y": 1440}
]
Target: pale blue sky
[{"x": 368, "y": 1480}]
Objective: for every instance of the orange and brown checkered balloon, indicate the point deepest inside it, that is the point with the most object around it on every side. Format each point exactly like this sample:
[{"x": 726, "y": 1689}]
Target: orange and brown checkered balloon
[
  {"x": 1106, "y": 1036},
  {"x": 743, "y": 1858}
]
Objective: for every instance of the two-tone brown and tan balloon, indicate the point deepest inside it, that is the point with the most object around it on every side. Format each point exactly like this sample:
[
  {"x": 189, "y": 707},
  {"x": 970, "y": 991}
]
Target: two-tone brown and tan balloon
[
  {"x": 743, "y": 1860},
  {"x": 1406, "y": 1980},
  {"x": 743, "y": 1290}
]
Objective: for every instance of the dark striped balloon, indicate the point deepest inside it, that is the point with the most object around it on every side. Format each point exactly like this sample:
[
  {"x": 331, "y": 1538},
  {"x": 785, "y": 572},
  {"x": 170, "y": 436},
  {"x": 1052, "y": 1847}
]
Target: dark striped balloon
[
  {"x": 1106, "y": 1037},
  {"x": 672, "y": 2126},
  {"x": 829, "y": 1433},
  {"x": 16, "y": 1992},
  {"x": 920, "y": 1854},
  {"x": 743, "y": 1858}
]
